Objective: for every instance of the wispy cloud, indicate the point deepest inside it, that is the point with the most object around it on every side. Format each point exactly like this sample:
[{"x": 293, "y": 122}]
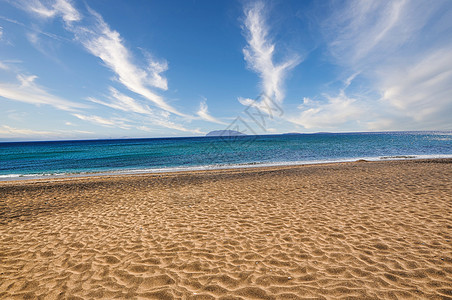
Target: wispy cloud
[
  {"x": 42, "y": 45},
  {"x": 26, "y": 90},
  {"x": 70, "y": 14},
  {"x": 3, "y": 66},
  {"x": 107, "y": 44},
  {"x": 123, "y": 102},
  {"x": 10, "y": 132},
  {"x": 18, "y": 116},
  {"x": 153, "y": 117},
  {"x": 169, "y": 124},
  {"x": 203, "y": 113},
  {"x": 140, "y": 80},
  {"x": 144, "y": 124},
  {"x": 103, "y": 121},
  {"x": 100, "y": 40},
  {"x": 396, "y": 47},
  {"x": 421, "y": 91},
  {"x": 35, "y": 30},
  {"x": 62, "y": 8},
  {"x": 366, "y": 30},
  {"x": 259, "y": 55},
  {"x": 330, "y": 114},
  {"x": 155, "y": 69}
]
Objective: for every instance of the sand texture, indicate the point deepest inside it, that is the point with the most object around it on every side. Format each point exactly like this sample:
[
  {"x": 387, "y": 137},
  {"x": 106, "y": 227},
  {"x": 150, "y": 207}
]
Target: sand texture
[{"x": 362, "y": 230}]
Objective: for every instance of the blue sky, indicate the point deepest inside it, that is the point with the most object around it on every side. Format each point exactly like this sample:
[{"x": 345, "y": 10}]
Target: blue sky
[{"x": 114, "y": 69}]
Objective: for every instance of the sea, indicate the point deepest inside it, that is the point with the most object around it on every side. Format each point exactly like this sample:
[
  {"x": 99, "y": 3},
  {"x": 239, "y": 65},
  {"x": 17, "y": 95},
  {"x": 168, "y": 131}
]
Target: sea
[{"x": 26, "y": 160}]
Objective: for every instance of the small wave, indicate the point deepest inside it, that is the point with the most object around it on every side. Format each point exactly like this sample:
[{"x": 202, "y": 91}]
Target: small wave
[
  {"x": 10, "y": 176},
  {"x": 5, "y": 177},
  {"x": 225, "y": 166},
  {"x": 398, "y": 157},
  {"x": 429, "y": 156}
]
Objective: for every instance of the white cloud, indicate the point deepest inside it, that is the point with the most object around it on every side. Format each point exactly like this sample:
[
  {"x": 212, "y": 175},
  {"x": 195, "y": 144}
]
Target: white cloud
[
  {"x": 18, "y": 116},
  {"x": 259, "y": 55},
  {"x": 33, "y": 38},
  {"x": 70, "y": 14},
  {"x": 144, "y": 128},
  {"x": 38, "y": 8},
  {"x": 95, "y": 35},
  {"x": 399, "y": 48},
  {"x": 107, "y": 44},
  {"x": 422, "y": 90},
  {"x": 1, "y": 33},
  {"x": 363, "y": 32},
  {"x": 123, "y": 102},
  {"x": 203, "y": 113},
  {"x": 29, "y": 92},
  {"x": 3, "y": 66},
  {"x": 10, "y": 132},
  {"x": 155, "y": 68},
  {"x": 171, "y": 125},
  {"x": 61, "y": 8},
  {"x": 103, "y": 121},
  {"x": 332, "y": 113},
  {"x": 103, "y": 42},
  {"x": 137, "y": 122}
]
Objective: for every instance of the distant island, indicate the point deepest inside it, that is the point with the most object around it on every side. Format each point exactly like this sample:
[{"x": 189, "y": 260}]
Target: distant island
[{"x": 225, "y": 133}]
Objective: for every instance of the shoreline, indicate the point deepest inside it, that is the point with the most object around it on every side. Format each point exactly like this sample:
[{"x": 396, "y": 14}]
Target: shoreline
[{"x": 239, "y": 166}]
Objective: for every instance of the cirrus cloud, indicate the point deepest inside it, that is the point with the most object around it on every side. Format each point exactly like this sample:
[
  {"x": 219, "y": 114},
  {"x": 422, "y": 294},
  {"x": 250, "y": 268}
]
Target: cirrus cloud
[
  {"x": 26, "y": 90},
  {"x": 203, "y": 113},
  {"x": 100, "y": 40},
  {"x": 395, "y": 46},
  {"x": 259, "y": 55},
  {"x": 330, "y": 114}
]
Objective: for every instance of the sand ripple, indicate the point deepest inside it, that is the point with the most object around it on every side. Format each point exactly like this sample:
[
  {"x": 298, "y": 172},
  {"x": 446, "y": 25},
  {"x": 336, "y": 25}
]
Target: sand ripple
[{"x": 355, "y": 230}]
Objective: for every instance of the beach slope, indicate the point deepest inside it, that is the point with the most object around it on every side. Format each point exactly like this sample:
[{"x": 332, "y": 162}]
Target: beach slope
[{"x": 356, "y": 230}]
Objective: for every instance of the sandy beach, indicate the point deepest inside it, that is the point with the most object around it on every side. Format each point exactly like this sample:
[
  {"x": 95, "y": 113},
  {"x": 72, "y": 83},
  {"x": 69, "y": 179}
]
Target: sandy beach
[{"x": 360, "y": 230}]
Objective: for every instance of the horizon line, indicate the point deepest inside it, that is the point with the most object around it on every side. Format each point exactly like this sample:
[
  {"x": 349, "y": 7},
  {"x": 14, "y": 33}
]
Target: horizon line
[{"x": 205, "y": 136}]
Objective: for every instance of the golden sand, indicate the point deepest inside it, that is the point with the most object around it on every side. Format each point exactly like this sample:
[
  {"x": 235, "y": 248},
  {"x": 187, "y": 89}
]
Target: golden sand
[{"x": 352, "y": 230}]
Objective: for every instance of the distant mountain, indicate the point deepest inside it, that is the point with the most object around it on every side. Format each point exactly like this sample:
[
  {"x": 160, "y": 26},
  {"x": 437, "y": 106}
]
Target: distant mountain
[{"x": 225, "y": 133}]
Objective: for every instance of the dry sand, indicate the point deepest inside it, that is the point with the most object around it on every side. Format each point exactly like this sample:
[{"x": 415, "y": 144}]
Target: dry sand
[{"x": 353, "y": 230}]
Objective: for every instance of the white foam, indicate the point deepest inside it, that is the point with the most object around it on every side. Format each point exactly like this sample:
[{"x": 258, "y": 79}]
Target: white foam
[
  {"x": 266, "y": 164},
  {"x": 218, "y": 167},
  {"x": 10, "y": 176}
]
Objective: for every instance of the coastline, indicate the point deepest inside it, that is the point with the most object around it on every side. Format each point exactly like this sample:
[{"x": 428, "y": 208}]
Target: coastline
[
  {"x": 354, "y": 229},
  {"x": 125, "y": 172}
]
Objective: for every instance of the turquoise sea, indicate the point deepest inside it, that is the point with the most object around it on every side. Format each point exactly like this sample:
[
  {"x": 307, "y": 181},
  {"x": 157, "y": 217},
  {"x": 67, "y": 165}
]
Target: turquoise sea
[{"x": 63, "y": 158}]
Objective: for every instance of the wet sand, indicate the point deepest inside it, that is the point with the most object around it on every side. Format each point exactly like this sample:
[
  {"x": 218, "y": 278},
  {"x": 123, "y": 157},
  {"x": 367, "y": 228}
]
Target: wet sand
[{"x": 352, "y": 230}]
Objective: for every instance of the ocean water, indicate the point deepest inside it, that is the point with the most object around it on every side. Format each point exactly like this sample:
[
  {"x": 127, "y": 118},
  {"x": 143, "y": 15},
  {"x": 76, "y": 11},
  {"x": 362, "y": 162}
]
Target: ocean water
[{"x": 63, "y": 158}]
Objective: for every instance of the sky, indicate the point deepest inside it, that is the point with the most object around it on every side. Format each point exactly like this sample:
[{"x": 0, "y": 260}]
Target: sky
[{"x": 134, "y": 69}]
